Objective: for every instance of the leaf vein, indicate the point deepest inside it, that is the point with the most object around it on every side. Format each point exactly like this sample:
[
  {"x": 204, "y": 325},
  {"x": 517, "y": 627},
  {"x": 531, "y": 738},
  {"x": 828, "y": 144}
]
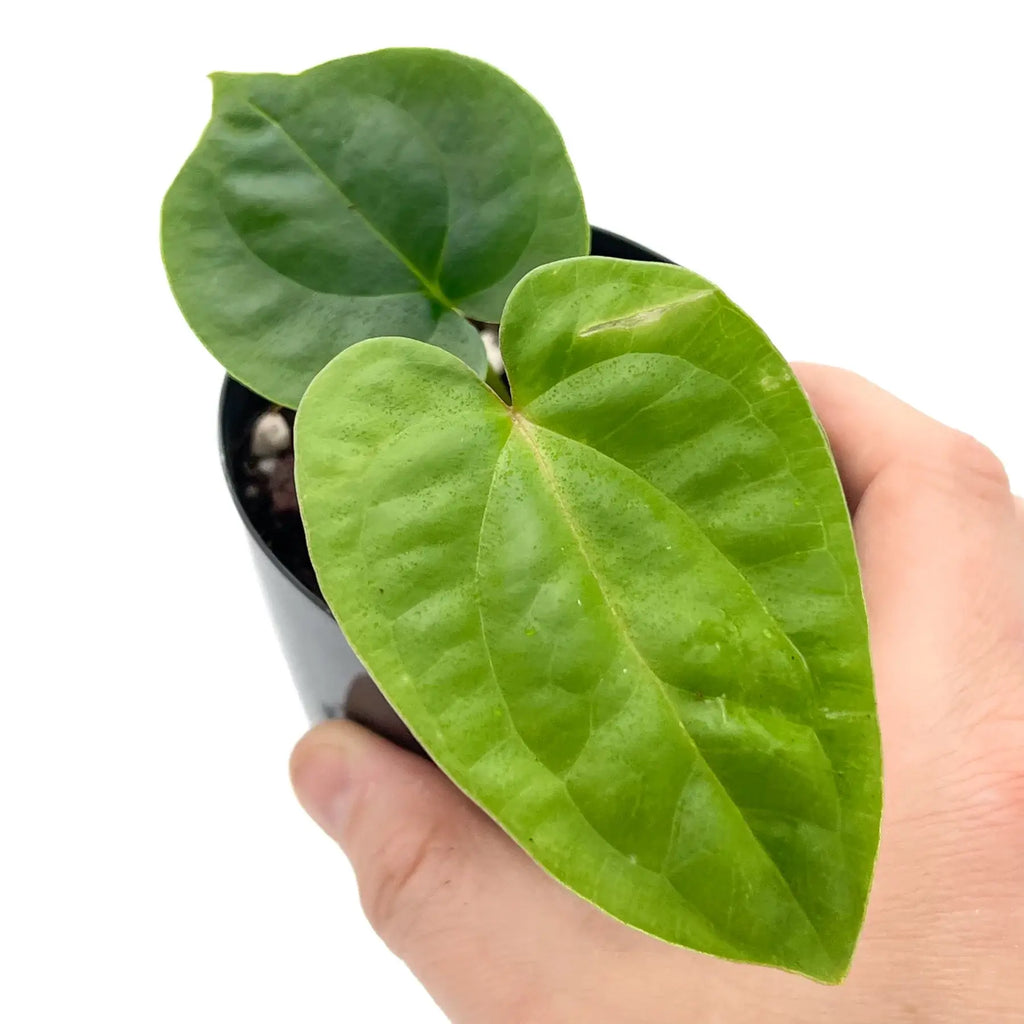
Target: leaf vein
[
  {"x": 432, "y": 289},
  {"x": 546, "y": 472}
]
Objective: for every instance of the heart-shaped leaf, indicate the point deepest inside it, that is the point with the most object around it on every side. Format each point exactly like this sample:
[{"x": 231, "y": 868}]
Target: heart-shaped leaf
[
  {"x": 395, "y": 192},
  {"x": 623, "y": 615}
]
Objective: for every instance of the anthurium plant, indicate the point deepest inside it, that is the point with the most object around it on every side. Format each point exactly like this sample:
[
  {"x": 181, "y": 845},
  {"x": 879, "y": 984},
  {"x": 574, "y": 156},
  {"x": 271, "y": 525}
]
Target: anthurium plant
[{"x": 608, "y": 580}]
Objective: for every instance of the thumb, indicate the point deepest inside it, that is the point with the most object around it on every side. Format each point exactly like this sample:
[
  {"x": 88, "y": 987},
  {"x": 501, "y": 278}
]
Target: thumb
[
  {"x": 482, "y": 927},
  {"x": 493, "y": 938}
]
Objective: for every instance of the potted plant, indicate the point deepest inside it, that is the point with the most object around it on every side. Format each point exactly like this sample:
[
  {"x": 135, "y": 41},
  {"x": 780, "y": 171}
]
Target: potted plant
[{"x": 603, "y": 570}]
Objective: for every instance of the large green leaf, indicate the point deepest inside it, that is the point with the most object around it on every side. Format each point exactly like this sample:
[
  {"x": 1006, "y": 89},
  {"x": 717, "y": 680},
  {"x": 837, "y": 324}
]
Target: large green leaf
[
  {"x": 623, "y": 615},
  {"x": 394, "y": 192}
]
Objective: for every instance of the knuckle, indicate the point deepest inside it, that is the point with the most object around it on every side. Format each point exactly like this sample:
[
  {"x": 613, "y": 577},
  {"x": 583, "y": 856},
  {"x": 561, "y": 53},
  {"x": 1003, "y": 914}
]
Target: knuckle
[
  {"x": 974, "y": 463},
  {"x": 403, "y": 879},
  {"x": 953, "y": 465}
]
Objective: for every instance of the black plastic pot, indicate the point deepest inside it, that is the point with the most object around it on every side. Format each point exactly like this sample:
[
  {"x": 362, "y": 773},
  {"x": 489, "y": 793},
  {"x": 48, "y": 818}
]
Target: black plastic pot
[{"x": 331, "y": 681}]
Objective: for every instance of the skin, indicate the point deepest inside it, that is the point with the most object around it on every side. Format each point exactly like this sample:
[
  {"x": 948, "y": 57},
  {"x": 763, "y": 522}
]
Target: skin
[{"x": 495, "y": 940}]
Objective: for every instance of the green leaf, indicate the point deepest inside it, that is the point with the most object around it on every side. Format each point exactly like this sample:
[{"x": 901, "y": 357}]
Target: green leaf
[
  {"x": 395, "y": 192},
  {"x": 623, "y": 615}
]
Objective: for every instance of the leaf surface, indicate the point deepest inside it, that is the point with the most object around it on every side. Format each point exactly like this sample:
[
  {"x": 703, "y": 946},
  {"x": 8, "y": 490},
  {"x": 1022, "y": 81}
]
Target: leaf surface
[
  {"x": 623, "y": 615},
  {"x": 395, "y": 192}
]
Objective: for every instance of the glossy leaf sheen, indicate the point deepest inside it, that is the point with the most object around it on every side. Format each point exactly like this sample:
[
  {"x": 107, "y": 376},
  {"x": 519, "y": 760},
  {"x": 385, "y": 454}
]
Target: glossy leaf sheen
[
  {"x": 394, "y": 192},
  {"x": 624, "y": 616}
]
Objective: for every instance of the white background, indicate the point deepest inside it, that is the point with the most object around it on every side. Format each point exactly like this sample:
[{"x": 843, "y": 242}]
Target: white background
[{"x": 850, "y": 174}]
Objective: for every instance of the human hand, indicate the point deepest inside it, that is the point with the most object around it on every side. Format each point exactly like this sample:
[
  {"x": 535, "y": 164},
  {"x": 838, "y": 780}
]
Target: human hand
[{"x": 495, "y": 940}]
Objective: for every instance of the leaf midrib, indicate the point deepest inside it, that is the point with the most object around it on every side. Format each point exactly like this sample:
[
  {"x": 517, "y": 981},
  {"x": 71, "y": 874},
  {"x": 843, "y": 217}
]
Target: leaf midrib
[
  {"x": 432, "y": 288},
  {"x": 524, "y": 427},
  {"x": 598, "y": 451},
  {"x": 730, "y": 948},
  {"x": 737, "y": 568}
]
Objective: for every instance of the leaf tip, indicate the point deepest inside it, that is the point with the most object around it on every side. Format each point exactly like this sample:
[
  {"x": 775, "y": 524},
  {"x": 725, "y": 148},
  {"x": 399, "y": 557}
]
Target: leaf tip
[{"x": 224, "y": 82}]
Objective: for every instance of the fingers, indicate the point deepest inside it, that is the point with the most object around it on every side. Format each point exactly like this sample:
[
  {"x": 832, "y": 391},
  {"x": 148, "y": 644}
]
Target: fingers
[
  {"x": 935, "y": 492},
  {"x": 485, "y": 930},
  {"x": 938, "y": 539},
  {"x": 871, "y": 432}
]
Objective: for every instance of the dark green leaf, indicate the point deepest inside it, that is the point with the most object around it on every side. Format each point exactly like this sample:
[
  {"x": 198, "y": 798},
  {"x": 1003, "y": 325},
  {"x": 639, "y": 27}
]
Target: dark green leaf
[
  {"x": 395, "y": 192},
  {"x": 624, "y": 615}
]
